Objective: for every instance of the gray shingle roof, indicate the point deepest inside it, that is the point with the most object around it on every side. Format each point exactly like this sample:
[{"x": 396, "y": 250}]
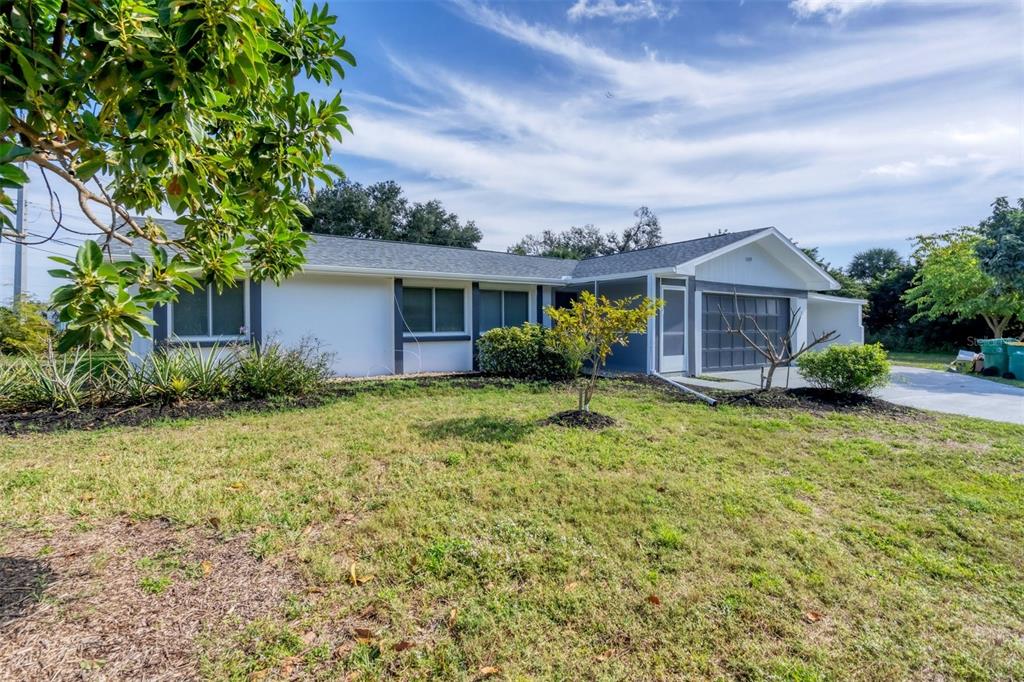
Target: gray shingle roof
[
  {"x": 449, "y": 260},
  {"x": 657, "y": 257},
  {"x": 371, "y": 254}
]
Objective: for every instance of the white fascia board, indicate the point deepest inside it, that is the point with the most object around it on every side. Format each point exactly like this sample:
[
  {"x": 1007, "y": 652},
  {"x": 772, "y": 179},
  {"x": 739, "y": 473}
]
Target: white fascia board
[
  {"x": 425, "y": 274},
  {"x": 690, "y": 266},
  {"x": 836, "y": 299}
]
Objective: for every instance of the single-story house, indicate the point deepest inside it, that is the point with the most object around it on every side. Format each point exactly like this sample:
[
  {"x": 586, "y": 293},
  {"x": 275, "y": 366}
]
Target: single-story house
[{"x": 391, "y": 308}]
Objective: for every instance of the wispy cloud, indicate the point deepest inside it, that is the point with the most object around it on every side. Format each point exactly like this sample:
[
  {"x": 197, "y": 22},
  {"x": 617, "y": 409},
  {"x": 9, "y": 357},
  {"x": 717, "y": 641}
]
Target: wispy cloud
[
  {"x": 777, "y": 140},
  {"x": 831, "y": 9},
  {"x": 628, "y": 10}
]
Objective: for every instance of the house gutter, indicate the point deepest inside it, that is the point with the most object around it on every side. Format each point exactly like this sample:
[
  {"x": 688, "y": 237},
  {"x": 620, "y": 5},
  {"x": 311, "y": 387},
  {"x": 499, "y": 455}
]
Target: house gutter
[{"x": 686, "y": 389}]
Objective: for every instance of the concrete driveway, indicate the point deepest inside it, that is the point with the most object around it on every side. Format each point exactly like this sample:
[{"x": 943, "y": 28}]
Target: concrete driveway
[{"x": 925, "y": 389}]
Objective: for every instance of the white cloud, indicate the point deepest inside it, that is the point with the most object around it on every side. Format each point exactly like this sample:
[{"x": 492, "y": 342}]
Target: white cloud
[
  {"x": 828, "y": 142},
  {"x": 619, "y": 11},
  {"x": 831, "y": 9}
]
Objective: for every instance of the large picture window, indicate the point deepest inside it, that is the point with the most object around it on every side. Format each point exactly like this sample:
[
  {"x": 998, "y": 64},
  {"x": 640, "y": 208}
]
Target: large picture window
[
  {"x": 430, "y": 310},
  {"x": 207, "y": 313},
  {"x": 503, "y": 309}
]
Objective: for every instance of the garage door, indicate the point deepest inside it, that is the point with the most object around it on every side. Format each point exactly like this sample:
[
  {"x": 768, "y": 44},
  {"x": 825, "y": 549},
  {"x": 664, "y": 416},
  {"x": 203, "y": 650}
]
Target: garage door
[{"x": 723, "y": 350}]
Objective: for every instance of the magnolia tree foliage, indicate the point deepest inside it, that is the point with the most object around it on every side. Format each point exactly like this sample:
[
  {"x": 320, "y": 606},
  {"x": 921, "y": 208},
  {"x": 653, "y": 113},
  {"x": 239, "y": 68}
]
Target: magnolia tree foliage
[
  {"x": 592, "y": 326},
  {"x": 141, "y": 105},
  {"x": 950, "y": 281}
]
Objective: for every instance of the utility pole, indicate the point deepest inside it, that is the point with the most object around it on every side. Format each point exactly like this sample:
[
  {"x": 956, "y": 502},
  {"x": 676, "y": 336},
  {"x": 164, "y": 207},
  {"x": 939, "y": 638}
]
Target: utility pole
[{"x": 20, "y": 271}]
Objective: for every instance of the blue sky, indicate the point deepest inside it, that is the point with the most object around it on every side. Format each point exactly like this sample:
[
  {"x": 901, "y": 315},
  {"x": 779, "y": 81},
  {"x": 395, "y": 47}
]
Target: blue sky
[{"x": 847, "y": 124}]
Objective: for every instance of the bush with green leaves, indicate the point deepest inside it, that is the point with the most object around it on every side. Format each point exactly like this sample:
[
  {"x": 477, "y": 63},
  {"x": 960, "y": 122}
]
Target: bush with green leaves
[
  {"x": 524, "y": 352},
  {"x": 24, "y": 328},
  {"x": 271, "y": 370},
  {"x": 851, "y": 368}
]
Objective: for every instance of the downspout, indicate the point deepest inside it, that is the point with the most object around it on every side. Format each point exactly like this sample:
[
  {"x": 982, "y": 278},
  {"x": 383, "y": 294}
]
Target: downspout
[{"x": 686, "y": 389}]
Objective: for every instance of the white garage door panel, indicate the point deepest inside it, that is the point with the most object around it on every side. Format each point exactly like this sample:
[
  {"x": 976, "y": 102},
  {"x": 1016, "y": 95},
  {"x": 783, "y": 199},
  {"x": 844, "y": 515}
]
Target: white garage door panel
[{"x": 351, "y": 316}]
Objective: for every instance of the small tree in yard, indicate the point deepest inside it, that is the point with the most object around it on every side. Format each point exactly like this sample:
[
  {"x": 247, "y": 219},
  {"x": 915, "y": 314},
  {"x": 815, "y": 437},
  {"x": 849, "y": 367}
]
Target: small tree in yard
[
  {"x": 951, "y": 281},
  {"x": 776, "y": 351},
  {"x": 587, "y": 330}
]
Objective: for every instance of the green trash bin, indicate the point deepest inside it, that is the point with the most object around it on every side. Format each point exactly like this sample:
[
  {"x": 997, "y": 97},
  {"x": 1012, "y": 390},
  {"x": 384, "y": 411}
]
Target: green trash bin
[
  {"x": 1015, "y": 358},
  {"x": 995, "y": 354}
]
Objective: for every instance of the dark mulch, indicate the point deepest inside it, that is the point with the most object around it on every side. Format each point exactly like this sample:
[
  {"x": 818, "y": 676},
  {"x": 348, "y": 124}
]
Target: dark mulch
[
  {"x": 818, "y": 400},
  {"x": 578, "y": 419},
  {"x": 75, "y": 601},
  {"x": 89, "y": 418}
]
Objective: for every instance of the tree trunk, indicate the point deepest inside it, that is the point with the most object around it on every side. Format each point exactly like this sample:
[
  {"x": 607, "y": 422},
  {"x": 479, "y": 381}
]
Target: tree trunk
[
  {"x": 769, "y": 375},
  {"x": 998, "y": 326},
  {"x": 582, "y": 391}
]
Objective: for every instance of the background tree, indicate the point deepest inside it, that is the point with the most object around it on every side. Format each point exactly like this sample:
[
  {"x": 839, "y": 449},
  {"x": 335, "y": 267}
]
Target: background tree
[
  {"x": 587, "y": 241},
  {"x": 950, "y": 281},
  {"x": 591, "y": 326},
  {"x": 146, "y": 105},
  {"x": 643, "y": 234},
  {"x": 381, "y": 211},
  {"x": 576, "y": 243},
  {"x": 874, "y": 264},
  {"x": 1001, "y": 247},
  {"x": 848, "y": 286},
  {"x": 24, "y": 328}
]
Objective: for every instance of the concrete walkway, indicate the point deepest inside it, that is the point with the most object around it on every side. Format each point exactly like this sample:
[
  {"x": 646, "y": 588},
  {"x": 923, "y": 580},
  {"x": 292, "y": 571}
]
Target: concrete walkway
[{"x": 925, "y": 389}]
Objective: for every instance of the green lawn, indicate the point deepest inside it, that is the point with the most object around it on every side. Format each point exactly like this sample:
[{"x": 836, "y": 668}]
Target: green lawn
[
  {"x": 940, "y": 361},
  {"x": 683, "y": 543}
]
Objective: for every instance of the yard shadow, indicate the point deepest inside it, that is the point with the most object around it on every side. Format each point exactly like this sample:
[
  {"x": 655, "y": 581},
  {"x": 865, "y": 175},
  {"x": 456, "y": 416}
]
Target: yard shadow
[
  {"x": 22, "y": 584},
  {"x": 481, "y": 429}
]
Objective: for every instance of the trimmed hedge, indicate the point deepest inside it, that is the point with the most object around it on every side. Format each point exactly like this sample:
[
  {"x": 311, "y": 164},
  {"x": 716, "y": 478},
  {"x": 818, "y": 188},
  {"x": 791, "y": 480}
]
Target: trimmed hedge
[
  {"x": 852, "y": 368},
  {"x": 525, "y": 352}
]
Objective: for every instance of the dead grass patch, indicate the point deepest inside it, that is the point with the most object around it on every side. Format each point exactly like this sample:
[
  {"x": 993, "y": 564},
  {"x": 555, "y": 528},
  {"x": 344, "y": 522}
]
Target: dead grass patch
[{"x": 126, "y": 600}]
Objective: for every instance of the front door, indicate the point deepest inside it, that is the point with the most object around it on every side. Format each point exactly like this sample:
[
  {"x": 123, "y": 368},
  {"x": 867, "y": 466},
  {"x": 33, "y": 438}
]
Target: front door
[{"x": 673, "y": 329}]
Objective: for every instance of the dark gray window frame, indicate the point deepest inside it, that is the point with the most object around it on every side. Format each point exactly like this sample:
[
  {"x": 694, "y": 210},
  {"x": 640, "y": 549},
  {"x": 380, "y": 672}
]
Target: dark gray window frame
[
  {"x": 211, "y": 338},
  {"x": 504, "y": 292},
  {"x": 434, "y": 334}
]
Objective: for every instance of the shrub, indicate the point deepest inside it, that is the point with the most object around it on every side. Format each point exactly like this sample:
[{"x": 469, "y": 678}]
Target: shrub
[
  {"x": 15, "y": 383},
  {"x": 25, "y": 330},
  {"x": 165, "y": 373},
  {"x": 853, "y": 368},
  {"x": 525, "y": 352},
  {"x": 270, "y": 370},
  {"x": 209, "y": 373},
  {"x": 61, "y": 381}
]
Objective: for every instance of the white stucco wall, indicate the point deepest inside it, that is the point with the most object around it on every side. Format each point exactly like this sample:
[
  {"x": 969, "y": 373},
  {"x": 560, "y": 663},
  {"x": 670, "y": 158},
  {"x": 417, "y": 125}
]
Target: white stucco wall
[
  {"x": 844, "y": 317},
  {"x": 438, "y": 356},
  {"x": 352, "y": 316},
  {"x": 750, "y": 264}
]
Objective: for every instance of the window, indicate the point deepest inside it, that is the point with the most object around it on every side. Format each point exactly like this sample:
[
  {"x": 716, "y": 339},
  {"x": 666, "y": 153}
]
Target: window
[
  {"x": 209, "y": 313},
  {"x": 503, "y": 309},
  {"x": 428, "y": 310}
]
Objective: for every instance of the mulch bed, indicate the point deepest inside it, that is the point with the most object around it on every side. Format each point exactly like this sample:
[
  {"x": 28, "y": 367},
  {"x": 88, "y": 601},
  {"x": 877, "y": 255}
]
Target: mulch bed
[
  {"x": 818, "y": 400},
  {"x": 89, "y": 418},
  {"x": 73, "y": 602},
  {"x": 578, "y": 419}
]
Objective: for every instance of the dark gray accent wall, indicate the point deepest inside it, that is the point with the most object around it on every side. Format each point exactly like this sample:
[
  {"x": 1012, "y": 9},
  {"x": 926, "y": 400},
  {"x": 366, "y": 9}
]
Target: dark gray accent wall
[
  {"x": 399, "y": 339},
  {"x": 255, "y": 312},
  {"x": 475, "y": 313},
  {"x": 160, "y": 330},
  {"x": 631, "y": 358}
]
